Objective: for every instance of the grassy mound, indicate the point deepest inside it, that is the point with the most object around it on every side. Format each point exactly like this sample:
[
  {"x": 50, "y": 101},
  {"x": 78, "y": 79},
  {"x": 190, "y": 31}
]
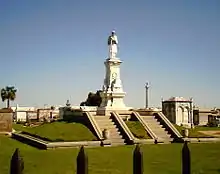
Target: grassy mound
[
  {"x": 158, "y": 159},
  {"x": 137, "y": 129},
  {"x": 59, "y": 131},
  {"x": 195, "y": 133}
]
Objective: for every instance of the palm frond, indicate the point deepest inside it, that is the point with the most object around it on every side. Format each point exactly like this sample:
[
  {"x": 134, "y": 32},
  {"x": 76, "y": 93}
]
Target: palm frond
[
  {"x": 9, "y": 92},
  {"x": 3, "y": 94}
]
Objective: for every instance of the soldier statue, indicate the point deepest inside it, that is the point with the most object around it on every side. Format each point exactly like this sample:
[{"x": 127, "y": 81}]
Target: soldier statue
[{"x": 113, "y": 45}]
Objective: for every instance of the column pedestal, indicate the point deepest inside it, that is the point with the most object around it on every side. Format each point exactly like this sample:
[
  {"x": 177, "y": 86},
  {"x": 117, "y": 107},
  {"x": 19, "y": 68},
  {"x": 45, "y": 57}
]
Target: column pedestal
[{"x": 113, "y": 94}]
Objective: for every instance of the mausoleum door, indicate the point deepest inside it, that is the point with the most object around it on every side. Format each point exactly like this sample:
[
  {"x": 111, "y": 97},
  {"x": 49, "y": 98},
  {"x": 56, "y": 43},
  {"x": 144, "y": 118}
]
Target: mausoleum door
[{"x": 180, "y": 115}]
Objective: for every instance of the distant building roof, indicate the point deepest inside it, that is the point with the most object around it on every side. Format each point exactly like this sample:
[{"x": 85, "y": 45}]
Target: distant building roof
[
  {"x": 177, "y": 99},
  {"x": 204, "y": 110}
]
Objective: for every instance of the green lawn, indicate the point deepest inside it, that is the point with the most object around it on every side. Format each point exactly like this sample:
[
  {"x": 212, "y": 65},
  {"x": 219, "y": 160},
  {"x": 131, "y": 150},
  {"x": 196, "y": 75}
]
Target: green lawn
[
  {"x": 60, "y": 131},
  {"x": 194, "y": 133},
  {"x": 137, "y": 129},
  {"x": 158, "y": 159}
]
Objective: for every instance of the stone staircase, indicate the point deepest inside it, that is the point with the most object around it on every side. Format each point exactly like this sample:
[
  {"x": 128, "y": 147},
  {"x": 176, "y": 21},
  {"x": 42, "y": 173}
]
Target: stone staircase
[
  {"x": 105, "y": 122},
  {"x": 157, "y": 129}
]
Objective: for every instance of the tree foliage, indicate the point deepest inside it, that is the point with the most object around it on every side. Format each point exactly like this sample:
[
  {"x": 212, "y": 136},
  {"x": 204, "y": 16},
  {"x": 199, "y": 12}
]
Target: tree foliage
[
  {"x": 93, "y": 99},
  {"x": 8, "y": 94}
]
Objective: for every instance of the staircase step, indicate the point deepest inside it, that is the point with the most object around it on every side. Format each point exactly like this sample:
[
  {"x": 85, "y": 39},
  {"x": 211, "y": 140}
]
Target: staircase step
[
  {"x": 148, "y": 117},
  {"x": 157, "y": 128},
  {"x": 162, "y": 135},
  {"x": 111, "y": 133},
  {"x": 151, "y": 121},
  {"x": 106, "y": 126},
  {"x": 105, "y": 123},
  {"x": 114, "y": 131},
  {"x": 114, "y": 134},
  {"x": 160, "y": 132},
  {"x": 105, "y": 120},
  {"x": 101, "y": 117},
  {"x": 117, "y": 140},
  {"x": 165, "y": 138}
]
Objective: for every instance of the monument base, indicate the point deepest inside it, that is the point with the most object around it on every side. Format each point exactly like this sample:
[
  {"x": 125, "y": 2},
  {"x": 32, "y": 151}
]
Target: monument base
[{"x": 106, "y": 111}]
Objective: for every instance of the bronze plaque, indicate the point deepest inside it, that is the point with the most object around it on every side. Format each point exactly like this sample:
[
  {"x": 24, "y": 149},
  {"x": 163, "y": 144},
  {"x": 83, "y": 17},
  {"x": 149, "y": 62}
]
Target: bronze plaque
[{"x": 6, "y": 122}]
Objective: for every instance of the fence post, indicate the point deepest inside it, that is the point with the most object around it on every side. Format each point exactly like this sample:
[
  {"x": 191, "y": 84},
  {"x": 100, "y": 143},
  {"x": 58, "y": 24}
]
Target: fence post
[
  {"x": 138, "y": 161},
  {"x": 82, "y": 162},
  {"x": 17, "y": 163},
  {"x": 186, "y": 168}
]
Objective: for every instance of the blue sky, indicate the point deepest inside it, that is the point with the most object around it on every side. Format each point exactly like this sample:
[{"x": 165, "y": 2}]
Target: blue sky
[{"x": 54, "y": 50}]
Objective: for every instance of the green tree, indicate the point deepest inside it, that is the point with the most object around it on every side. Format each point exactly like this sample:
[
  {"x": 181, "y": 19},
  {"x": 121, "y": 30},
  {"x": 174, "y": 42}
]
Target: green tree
[
  {"x": 93, "y": 99},
  {"x": 8, "y": 94}
]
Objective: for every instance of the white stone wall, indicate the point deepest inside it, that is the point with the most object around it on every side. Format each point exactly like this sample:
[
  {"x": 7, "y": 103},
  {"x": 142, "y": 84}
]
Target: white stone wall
[
  {"x": 21, "y": 112},
  {"x": 183, "y": 112},
  {"x": 203, "y": 119},
  {"x": 21, "y": 116}
]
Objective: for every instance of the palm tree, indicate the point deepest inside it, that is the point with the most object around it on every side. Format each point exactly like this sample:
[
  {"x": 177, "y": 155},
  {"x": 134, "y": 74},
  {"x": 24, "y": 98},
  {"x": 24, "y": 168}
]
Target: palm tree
[{"x": 8, "y": 93}]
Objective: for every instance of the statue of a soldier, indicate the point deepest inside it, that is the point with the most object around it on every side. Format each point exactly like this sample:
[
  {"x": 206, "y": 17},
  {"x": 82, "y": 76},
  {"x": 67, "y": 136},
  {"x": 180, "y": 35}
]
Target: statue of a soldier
[{"x": 113, "y": 45}]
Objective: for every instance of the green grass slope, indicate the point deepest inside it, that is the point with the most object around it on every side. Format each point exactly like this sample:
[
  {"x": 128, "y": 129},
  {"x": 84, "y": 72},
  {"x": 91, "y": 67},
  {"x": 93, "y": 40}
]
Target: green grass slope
[
  {"x": 60, "y": 131},
  {"x": 195, "y": 133},
  {"x": 137, "y": 129}
]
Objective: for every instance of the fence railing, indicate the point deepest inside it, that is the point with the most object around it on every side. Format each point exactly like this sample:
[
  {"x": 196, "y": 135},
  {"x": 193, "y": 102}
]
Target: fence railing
[{"x": 17, "y": 163}]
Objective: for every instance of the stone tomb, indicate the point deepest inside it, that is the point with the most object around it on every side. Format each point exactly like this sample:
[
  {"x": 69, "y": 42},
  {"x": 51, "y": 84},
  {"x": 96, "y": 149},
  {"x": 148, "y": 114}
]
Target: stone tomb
[
  {"x": 6, "y": 120},
  {"x": 178, "y": 110}
]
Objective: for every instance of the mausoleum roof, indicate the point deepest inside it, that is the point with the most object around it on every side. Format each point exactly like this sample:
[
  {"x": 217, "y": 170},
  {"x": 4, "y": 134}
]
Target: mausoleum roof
[{"x": 178, "y": 99}]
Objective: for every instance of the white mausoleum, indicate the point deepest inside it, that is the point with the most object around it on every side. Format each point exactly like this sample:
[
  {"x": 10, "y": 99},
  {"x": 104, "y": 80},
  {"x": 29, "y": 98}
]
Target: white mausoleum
[{"x": 178, "y": 110}]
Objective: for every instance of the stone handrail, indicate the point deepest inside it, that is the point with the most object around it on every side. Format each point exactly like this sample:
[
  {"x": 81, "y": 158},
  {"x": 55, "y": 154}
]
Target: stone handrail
[
  {"x": 30, "y": 140},
  {"x": 169, "y": 124},
  {"x": 95, "y": 125},
  {"x": 146, "y": 127},
  {"x": 124, "y": 126}
]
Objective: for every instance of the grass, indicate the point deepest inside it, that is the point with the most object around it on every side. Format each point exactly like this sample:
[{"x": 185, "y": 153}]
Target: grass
[
  {"x": 194, "y": 133},
  {"x": 60, "y": 131},
  {"x": 137, "y": 129},
  {"x": 158, "y": 159}
]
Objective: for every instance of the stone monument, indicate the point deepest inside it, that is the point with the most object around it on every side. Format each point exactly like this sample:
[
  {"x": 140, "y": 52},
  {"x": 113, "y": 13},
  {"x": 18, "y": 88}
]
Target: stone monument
[
  {"x": 179, "y": 111},
  {"x": 113, "y": 94},
  {"x": 6, "y": 121},
  {"x": 147, "y": 89}
]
